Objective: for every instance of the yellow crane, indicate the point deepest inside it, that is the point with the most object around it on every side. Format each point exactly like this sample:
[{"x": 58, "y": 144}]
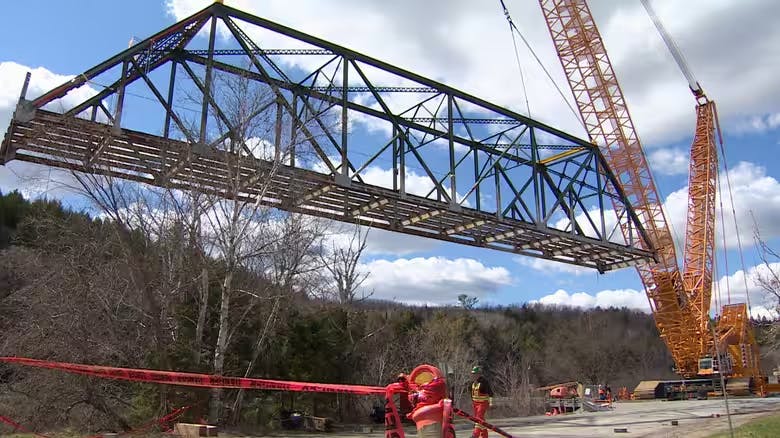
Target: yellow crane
[{"x": 679, "y": 299}]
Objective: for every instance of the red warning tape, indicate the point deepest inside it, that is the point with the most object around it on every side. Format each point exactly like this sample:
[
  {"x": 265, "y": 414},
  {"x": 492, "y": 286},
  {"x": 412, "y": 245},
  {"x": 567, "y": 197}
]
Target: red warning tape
[
  {"x": 484, "y": 423},
  {"x": 192, "y": 379}
]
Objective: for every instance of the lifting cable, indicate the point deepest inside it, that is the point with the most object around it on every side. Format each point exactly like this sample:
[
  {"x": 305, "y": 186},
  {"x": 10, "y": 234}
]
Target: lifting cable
[
  {"x": 517, "y": 55},
  {"x": 733, "y": 210},
  {"x": 513, "y": 28},
  {"x": 716, "y": 289},
  {"x": 723, "y": 235}
]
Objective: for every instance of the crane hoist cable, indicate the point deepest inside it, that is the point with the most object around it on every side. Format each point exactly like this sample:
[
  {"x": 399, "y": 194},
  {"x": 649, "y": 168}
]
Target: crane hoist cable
[
  {"x": 513, "y": 28},
  {"x": 723, "y": 235},
  {"x": 699, "y": 94},
  {"x": 517, "y": 56},
  {"x": 733, "y": 210}
]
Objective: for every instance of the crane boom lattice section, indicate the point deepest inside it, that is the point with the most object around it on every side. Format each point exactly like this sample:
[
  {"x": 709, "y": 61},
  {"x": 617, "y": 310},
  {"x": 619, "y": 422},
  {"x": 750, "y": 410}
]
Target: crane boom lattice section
[
  {"x": 605, "y": 114},
  {"x": 700, "y": 228}
]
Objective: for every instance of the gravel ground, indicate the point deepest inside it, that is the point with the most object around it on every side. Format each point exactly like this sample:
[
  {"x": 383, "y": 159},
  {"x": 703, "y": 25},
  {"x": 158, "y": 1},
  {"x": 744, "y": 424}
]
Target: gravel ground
[{"x": 696, "y": 418}]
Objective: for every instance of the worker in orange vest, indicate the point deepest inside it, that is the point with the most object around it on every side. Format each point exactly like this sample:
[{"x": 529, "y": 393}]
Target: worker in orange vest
[{"x": 481, "y": 398}]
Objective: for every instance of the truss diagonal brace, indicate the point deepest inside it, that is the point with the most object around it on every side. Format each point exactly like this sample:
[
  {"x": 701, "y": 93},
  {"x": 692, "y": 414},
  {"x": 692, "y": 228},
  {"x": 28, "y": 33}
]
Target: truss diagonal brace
[
  {"x": 369, "y": 206},
  {"x": 421, "y": 217},
  {"x": 505, "y": 235},
  {"x": 466, "y": 226}
]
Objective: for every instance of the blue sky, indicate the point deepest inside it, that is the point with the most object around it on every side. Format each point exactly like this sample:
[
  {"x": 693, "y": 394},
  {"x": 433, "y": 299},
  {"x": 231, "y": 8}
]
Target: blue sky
[{"x": 469, "y": 47}]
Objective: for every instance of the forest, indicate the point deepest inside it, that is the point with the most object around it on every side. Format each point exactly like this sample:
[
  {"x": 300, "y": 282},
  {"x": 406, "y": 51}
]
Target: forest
[{"x": 106, "y": 290}]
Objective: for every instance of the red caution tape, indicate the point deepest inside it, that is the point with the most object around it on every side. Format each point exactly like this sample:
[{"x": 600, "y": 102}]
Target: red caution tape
[
  {"x": 192, "y": 379},
  {"x": 18, "y": 427},
  {"x": 483, "y": 423}
]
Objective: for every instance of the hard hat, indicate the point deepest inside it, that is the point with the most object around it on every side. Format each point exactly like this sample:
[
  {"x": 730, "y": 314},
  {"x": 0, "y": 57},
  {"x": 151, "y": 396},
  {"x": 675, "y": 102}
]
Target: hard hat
[{"x": 476, "y": 370}]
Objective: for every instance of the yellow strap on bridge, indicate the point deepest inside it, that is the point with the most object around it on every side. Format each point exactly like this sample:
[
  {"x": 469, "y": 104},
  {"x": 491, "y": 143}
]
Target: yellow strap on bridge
[{"x": 561, "y": 155}]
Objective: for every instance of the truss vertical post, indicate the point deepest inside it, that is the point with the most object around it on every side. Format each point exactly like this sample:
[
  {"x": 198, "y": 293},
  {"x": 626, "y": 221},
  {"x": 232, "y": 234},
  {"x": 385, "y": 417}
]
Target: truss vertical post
[
  {"x": 120, "y": 97},
  {"x": 204, "y": 115},
  {"x": 496, "y": 178},
  {"x": 26, "y": 84},
  {"x": 278, "y": 132},
  {"x": 395, "y": 158},
  {"x": 539, "y": 192},
  {"x": 477, "y": 177},
  {"x": 451, "y": 140},
  {"x": 171, "y": 88},
  {"x": 293, "y": 128},
  {"x": 344, "y": 118},
  {"x": 402, "y": 164},
  {"x": 601, "y": 189}
]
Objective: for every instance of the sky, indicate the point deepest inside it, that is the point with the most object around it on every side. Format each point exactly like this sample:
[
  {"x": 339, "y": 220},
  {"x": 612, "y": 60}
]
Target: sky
[{"x": 729, "y": 44}]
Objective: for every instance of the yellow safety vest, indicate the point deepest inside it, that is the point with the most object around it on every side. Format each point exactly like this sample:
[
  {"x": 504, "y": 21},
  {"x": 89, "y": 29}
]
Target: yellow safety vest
[{"x": 476, "y": 395}]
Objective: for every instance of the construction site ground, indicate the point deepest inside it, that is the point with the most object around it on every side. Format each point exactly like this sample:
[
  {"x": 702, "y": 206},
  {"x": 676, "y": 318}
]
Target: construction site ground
[{"x": 696, "y": 418}]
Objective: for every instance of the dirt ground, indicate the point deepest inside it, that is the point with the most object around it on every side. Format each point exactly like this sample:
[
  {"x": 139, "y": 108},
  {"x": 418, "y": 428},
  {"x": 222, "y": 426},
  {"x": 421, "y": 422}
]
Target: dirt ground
[{"x": 696, "y": 419}]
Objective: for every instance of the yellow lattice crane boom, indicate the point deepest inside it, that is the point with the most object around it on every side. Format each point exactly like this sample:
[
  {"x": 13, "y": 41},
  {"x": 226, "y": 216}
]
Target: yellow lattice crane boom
[{"x": 679, "y": 300}]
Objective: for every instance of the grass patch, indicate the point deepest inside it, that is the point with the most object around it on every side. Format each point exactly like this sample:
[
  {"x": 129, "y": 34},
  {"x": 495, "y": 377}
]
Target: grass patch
[{"x": 768, "y": 427}]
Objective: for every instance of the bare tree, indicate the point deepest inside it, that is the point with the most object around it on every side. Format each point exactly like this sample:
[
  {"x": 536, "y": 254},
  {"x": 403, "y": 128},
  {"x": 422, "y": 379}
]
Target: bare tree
[
  {"x": 238, "y": 224},
  {"x": 79, "y": 300},
  {"x": 217, "y": 234},
  {"x": 769, "y": 279},
  {"x": 467, "y": 302},
  {"x": 513, "y": 377},
  {"x": 246, "y": 234},
  {"x": 292, "y": 256},
  {"x": 342, "y": 263}
]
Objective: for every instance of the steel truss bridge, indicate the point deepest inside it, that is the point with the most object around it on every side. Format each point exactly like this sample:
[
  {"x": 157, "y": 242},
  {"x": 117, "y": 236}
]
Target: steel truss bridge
[{"x": 311, "y": 127}]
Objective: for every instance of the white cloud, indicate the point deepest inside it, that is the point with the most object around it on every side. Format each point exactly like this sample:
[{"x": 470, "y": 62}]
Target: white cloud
[
  {"x": 756, "y": 195},
  {"x": 31, "y": 179},
  {"x": 734, "y": 285},
  {"x": 760, "y": 123},
  {"x": 761, "y": 303},
  {"x": 433, "y": 280},
  {"x": 613, "y": 232},
  {"x": 381, "y": 242},
  {"x": 550, "y": 267},
  {"x": 721, "y": 39},
  {"x": 41, "y": 80},
  {"x": 618, "y": 298},
  {"x": 759, "y": 312},
  {"x": 669, "y": 161},
  {"x": 35, "y": 180},
  {"x": 415, "y": 183}
]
